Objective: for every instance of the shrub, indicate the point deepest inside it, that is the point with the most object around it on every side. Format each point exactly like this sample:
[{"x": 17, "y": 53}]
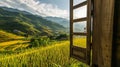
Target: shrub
[
  {"x": 42, "y": 41},
  {"x": 62, "y": 37}
]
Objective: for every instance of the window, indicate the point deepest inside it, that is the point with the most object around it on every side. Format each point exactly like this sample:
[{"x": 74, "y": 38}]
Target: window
[{"x": 80, "y": 30}]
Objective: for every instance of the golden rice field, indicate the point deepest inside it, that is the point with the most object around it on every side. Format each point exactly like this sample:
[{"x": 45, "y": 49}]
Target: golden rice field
[
  {"x": 56, "y": 55},
  {"x": 79, "y": 41},
  {"x": 12, "y": 45},
  {"x": 5, "y": 36}
]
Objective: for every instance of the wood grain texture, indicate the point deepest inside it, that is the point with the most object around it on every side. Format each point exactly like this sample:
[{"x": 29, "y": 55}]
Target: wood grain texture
[
  {"x": 71, "y": 27},
  {"x": 102, "y": 32},
  {"x": 80, "y": 19},
  {"x": 88, "y": 55},
  {"x": 96, "y": 33}
]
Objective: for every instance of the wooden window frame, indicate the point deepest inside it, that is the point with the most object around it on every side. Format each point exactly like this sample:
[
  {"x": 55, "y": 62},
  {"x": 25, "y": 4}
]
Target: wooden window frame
[{"x": 74, "y": 50}]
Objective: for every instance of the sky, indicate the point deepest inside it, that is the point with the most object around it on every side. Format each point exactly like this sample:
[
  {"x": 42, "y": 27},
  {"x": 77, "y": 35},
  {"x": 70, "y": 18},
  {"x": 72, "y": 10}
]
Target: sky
[
  {"x": 53, "y": 8},
  {"x": 62, "y": 4}
]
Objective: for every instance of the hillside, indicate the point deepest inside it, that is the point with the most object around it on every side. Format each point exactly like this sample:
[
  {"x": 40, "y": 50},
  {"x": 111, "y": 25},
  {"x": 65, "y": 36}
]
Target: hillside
[
  {"x": 13, "y": 20},
  {"x": 5, "y": 36},
  {"x": 61, "y": 21},
  {"x": 78, "y": 27}
]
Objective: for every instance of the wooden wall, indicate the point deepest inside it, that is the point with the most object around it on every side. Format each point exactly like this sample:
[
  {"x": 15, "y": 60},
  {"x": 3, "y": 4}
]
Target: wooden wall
[
  {"x": 116, "y": 36},
  {"x": 102, "y": 33}
]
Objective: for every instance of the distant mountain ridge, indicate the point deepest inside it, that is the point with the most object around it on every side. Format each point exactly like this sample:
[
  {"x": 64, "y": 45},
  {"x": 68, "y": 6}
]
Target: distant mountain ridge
[
  {"x": 13, "y": 19},
  {"x": 15, "y": 10},
  {"x": 61, "y": 21},
  {"x": 78, "y": 27}
]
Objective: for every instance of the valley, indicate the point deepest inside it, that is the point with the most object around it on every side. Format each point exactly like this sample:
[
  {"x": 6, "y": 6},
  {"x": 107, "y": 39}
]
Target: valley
[{"x": 28, "y": 40}]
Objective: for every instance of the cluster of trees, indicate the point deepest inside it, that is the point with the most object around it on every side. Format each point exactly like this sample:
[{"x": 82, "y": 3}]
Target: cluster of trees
[
  {"x": 59, "y": 37},
  {"x": 41, "y": 41},
  {"x": 45, "y": 40}
]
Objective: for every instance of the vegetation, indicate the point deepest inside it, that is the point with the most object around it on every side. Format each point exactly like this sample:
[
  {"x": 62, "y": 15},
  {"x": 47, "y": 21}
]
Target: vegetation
[
  {"x": 28, "y": 40},
  {"x": 62, "y": 37},
  {"x": 43, "y": 53},
  {"x": 5, "y": 36},
  {"x": 79, "y": 41},
  {"x": 18, "y": 21},
  {"x": 41, "y": 41},
  {"x": 56, "y": 55}
]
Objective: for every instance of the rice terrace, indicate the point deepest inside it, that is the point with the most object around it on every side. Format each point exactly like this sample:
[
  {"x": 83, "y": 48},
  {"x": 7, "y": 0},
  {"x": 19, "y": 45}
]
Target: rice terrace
[
  {"x": 59, "y": 33},
  {"x": 17, "y": 53}
]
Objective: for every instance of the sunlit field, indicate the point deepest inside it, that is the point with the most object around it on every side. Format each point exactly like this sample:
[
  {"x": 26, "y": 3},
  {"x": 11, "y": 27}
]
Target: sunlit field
[
  {"x": 79, "y": 41},
  {"x": 5, "y": 36},
  {"x": 55, "y": 55}
]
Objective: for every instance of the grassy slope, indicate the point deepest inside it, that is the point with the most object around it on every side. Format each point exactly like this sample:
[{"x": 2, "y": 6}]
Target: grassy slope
[
  {"x": 12, "y": 42},
  {"x": 13, "y": 45},
  {"x": 27, "y": 23},
  {"x": 5, "y": 36},
  {"x": 52, "y": 56}
]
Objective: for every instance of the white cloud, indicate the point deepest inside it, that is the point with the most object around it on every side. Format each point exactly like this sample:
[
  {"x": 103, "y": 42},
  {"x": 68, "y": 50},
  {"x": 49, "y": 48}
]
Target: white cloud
[
  {"x": 36, "y": 7},
  {"x": 80, "y": 12}
]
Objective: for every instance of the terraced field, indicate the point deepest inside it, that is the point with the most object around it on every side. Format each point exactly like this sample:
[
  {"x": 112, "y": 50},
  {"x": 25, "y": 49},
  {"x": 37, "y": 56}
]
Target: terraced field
[
  {"x": 51, "y": 56},
  {"x": 14, "y": 53},
  {"x": 13, "y": 45},
  {"x": 5, "y": 36},
  {"x": 56, "y": 55}
]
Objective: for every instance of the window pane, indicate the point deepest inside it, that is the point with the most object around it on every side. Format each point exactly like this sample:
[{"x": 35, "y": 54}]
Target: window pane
[
  {"x": 75, "y": 2},
  {"x": 79, "y": 41},
  {"x": 79, "y": 27},
  {"x": 80, "y": 12}
]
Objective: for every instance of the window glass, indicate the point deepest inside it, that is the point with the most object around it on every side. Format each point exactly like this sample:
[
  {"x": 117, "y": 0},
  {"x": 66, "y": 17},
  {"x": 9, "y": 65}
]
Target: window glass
[
  {"x": 79, "y": 27},
  {"x": 75, "y": 2},
  {"x": 80, "y": 12},
  {"x": 79, "y": 41}
]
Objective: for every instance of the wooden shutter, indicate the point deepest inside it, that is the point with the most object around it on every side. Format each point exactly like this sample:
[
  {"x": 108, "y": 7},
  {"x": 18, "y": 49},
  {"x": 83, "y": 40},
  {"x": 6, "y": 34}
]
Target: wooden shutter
[{"x": 82, "y": 54}]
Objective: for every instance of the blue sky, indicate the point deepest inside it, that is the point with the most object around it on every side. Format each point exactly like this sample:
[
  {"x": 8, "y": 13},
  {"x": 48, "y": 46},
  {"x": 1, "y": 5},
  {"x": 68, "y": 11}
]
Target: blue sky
[{"x": 53, "y": 8}]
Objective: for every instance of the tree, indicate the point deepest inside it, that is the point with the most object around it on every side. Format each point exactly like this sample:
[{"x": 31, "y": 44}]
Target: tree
[{"x": 62, "y": 37}]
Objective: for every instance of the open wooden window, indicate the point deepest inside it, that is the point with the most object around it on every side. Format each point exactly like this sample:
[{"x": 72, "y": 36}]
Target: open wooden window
[{"x": 78, "y": 51}]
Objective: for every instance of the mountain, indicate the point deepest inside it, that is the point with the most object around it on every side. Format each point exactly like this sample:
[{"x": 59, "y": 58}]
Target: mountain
[
  {"x": 15, "y": 10},
  {"x": 21, "y": 22},
  {"x": 78, "y": 27},
  {"x": 61, "y": 21}
]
